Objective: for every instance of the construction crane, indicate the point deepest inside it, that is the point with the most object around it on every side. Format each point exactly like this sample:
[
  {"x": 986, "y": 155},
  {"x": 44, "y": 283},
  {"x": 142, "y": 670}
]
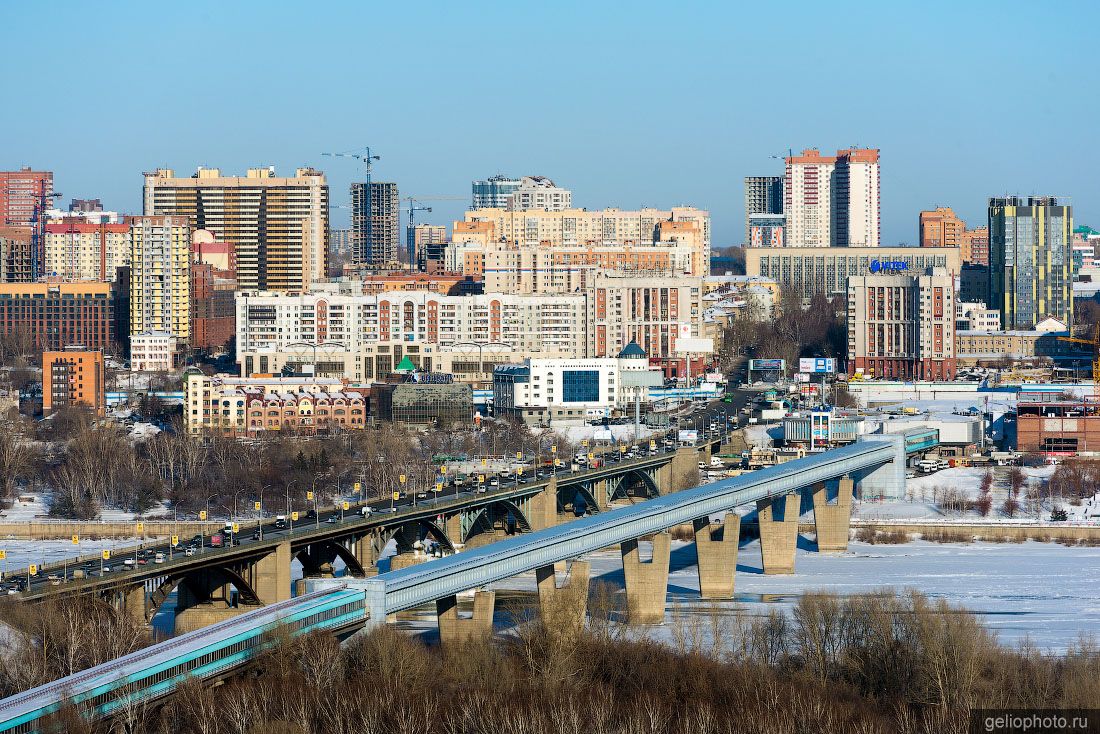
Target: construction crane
[
  {"x": 410, "y": 232},
  {"x": 1094, "y": 342},
  {"x": 38, "y": 226},
  {"x": 367, "y": 158}
]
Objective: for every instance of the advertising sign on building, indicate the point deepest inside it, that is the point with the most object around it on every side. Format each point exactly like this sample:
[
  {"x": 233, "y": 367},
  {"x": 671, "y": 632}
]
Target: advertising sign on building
[
  {"x": 760, "y": 365},
  {"x": 817, "y": 365}
]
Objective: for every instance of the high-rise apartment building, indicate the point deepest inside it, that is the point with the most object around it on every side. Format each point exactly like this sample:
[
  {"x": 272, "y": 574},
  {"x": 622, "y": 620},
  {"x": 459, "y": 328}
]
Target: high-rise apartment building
[
  {"x": 856, "y": 195},
  {"x": 24, "y": 195},
  {"x": 940, "y": 227},
  {"x": 902, "y": 326},
  {"x": 160, "y": 276},
  {"x": 1030, "y": 260},
  {"x": 421, "y": 237},
  {"x": 73, "y": 378},
  {"x": 763, "y": 195},
  {"x": 375, "y": 218},
  {"x": 493, "y": 193},
  {"x": 79, "y": 250},
  {"x": 807, "y": 199},
  {"x": 832, "y": 201},
  {"x": 278, "y": 226}
]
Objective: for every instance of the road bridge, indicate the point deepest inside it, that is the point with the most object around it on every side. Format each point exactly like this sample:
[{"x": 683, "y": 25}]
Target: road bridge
[{"x": 218, "y": 583}]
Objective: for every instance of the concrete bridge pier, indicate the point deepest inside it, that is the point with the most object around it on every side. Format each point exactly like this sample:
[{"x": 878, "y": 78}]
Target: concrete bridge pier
[
  {"x": 778, "y": 519},
  {"x": 567, "y": 604},
  {"x": 452, "y": 526},
  {"x": 544, "y": 507},
  {"x": 133, "y": 603},
  {"x": 717, "y": 559},
  {"x": 646, "y": 583},
  {"x": 271, "y": 575},
  {"x": 455, "y": 630},
  {"x": 833, "y": 520}
]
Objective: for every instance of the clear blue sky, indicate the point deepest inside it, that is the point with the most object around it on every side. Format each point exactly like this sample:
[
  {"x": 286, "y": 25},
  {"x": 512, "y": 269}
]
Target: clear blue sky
[{"x": 625, "y": 103}]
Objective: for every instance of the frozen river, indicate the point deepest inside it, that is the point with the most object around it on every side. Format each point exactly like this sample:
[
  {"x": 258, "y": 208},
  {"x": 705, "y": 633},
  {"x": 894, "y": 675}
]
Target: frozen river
[{"x": 1044, "y": 591}]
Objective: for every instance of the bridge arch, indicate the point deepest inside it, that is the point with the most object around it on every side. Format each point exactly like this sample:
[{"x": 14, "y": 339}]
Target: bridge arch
[{"x": 201, "y": 583}]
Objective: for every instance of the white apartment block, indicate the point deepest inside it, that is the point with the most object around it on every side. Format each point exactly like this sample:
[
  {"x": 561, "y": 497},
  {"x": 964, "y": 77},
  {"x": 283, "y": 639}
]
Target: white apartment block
[
  {"x": 976, "y": 317},
  {"x": 152, "y": 351},
  {"x": 552, "y": 325},
  {"x": 539, "y": 192},
  {"x": 543, "y": 269}
]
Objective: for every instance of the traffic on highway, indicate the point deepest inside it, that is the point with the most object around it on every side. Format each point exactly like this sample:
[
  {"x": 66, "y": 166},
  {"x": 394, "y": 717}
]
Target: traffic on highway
[{"x": 704, "y": 422}]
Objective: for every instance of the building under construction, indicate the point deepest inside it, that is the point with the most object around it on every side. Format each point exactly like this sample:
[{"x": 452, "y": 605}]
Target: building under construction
[{"x": 375, "y": 220}]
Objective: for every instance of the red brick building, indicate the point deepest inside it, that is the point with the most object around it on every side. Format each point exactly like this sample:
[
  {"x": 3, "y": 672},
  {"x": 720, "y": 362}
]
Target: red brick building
[
  {"x": 57, "y": 315},
  {"x": 213, "y": 311}
]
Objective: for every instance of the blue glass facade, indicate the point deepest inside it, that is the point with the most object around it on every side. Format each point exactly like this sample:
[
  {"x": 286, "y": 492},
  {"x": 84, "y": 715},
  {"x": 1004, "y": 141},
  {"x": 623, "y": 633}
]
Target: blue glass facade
[{"x": 580, "y": 386}]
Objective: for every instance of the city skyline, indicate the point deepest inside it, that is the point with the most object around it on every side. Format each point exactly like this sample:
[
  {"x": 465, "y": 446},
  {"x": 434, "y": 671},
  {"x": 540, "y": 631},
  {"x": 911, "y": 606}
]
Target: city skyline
[{"x": 232, "y": 116}]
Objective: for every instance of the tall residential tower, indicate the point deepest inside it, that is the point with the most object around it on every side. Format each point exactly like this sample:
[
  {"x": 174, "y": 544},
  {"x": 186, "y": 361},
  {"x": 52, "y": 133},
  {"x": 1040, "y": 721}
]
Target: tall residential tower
[
  {"x": 278, "y": 227},
  {"x": 832, "y": 201}
]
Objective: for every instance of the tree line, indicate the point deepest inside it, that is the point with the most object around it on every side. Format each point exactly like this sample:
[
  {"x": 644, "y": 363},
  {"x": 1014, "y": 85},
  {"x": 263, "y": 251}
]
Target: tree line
[
  {"x": 881, "y": 662},
  {"x": 88, "y": 465}
]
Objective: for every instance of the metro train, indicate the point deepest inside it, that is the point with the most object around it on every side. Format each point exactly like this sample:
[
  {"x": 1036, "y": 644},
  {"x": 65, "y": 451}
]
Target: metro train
[{"x": 209, "y": 653}]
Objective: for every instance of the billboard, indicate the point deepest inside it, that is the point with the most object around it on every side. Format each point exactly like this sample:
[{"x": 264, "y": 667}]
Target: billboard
[
  {"x": 759, "y": 365},
  {"x": 817, "y": 365},
  {"x": 687, "y": 436},
  {"x": 694, "y": 345}
]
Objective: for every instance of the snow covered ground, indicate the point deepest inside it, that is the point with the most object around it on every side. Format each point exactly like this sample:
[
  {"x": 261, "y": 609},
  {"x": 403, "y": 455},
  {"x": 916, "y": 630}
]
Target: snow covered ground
[
  {"x": 33, "y": 506},
  {"x": 1042, "y": 591}
]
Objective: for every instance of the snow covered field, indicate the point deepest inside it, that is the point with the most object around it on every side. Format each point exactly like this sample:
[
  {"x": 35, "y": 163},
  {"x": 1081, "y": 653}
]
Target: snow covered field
[{"x": 1042, "y": 591}]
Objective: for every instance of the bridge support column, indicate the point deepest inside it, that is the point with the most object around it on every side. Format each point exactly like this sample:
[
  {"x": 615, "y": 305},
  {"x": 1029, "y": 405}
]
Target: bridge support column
[
  {"x": 646, "y": 583},
  {"x": 778, "y": 532},
  {"x": 271, "y": 575},
  {"x": 365, "y": 552},
  {"x": 717, "y": 558},
  {"x": 134, "y": 603},
  {"x": 832, "y": 520},
  {"x": 544, "y": 507},
  {"x": 565, "y": 605},
  {"x": 683, "y": 468},
  {"x": 599, "y": 491},
  {"x": 453, "y": 630},
  {"x": 453, "y": 528}
]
